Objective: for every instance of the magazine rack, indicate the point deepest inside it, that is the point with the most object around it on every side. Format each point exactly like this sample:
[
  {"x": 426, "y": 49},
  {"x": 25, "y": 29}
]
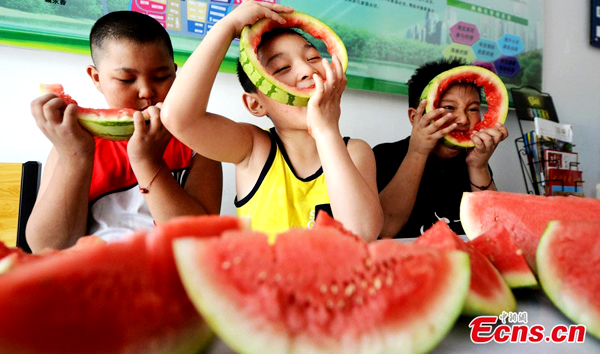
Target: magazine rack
[{"x": 530, "y": 103}]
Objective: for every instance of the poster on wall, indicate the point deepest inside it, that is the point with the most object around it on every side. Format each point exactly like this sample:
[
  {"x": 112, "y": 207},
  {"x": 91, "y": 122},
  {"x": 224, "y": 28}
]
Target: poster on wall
[{"x": 386, "y": 39}]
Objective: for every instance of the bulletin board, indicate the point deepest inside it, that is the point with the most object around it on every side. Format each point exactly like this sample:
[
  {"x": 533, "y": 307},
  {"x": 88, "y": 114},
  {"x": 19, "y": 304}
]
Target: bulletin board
[{"x": 386, "y": 39}]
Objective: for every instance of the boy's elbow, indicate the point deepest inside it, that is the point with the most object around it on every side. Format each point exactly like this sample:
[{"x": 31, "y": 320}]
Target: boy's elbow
[{"x": 167, "y": 118}]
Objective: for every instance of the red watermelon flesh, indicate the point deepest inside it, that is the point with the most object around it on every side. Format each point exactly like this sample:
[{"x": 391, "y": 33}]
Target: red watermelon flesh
[
  {"x": 488, "y": 293},
  {"x": 568, "y": 262},
  {"x": 321, "y": 291},
  {"x": 498, "y": 245},
  {"x": 326, "y": 220},
  {"x": 124, "y": 296},
  {"x": 526, "y": 215}
]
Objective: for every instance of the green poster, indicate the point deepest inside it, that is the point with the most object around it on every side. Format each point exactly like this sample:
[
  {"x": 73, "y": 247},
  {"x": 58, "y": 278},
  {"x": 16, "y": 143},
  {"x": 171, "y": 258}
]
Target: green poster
[{"x": 386, "y": 39}]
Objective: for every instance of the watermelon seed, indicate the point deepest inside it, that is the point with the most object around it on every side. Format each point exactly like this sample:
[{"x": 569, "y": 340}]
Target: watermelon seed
[
  {"x": 364, "y": 284},
  {"x": 368, "y": 263},
  {"x": 371, "y": 291},
  {"x": 358, "y": 300},
  {"x": 237, "y": 260},
  {"x": 329, "y": 303},
  {"x": 350, "y": 289},
  {"x": 341, "y": 304},
  {"x": 388, "y": 280},
  {"x": 334, "y": 289},
  {"x": 377, "y": 283},
  {"x": 519, "y": 252},
  {"x": 262, "y": 275},
  {"x": 324, "y": 288},
  {"x": 226, "y": 265},
  {"x": 277, "y": 277}
]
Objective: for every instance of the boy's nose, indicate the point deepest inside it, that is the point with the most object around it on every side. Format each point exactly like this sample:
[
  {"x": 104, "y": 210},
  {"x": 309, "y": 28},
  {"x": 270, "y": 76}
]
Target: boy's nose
[
  {"x": 146, "y": 91},
  {"x": 461, "y": 118}
]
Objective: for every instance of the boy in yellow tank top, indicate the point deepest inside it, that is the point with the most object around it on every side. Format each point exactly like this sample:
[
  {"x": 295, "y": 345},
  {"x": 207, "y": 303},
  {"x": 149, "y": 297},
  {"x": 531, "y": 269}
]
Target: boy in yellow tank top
[{"x": 284, "y": 176}]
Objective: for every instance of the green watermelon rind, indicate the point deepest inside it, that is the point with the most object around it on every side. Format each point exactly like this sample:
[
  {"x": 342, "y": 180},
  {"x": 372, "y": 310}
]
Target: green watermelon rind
[
  {"x": 504, "y": 300},
  {"x": 571, "y": 306},
  {"x": 266, "y": 82},
  {"x": 240, "y": 333},
  {"x": 430, "y": 93},
  {"x": 517, "y": 280}
]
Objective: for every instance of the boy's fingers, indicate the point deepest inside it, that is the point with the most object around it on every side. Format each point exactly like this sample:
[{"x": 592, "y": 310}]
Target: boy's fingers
[
  {"x": 70, "y": 117},
  {"x": 53, "y": 110},
  {"x": 445, "y": 131},
  {"x": 278, "y": 7},
  {"x": 337, "y": 67},
  {"x": 438, "y": 116},
  {"x": 155, "y": 123},
  {"x": 330, "y": 81},
  {"x": 139, "y": 123},
  {"x": 318, "y": 88}
]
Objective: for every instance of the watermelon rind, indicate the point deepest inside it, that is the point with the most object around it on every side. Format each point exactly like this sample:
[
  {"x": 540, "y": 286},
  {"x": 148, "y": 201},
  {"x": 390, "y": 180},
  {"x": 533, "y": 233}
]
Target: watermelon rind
[
  {"x": 573, "y": 307},
  {"x": 504, "y": 300},
  {"x": 267, "y": 83},
  {"x": 246, "y": 334},
  {"x": 497, "y": 102},
  {"x": 109, "y": 124}
]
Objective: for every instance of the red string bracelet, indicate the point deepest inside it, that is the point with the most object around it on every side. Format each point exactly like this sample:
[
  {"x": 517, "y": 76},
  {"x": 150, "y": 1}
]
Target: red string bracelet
[
  {"x": 146, "y": 190},
  {"x": 483, "y": 188}
]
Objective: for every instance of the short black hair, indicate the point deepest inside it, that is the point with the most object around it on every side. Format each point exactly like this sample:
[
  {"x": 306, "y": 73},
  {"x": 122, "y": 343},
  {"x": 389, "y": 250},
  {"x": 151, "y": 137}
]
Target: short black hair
[
  {"x": 266, "y": 37},
  {"x": 127, "y": 25},
  {"x": 424, "y": 74}
]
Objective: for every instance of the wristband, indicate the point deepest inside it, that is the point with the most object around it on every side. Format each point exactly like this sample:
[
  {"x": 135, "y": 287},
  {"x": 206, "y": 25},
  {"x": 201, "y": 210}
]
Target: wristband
[
  {"x": 482, "y": 188},
  {"x": 147, "y": 189}
]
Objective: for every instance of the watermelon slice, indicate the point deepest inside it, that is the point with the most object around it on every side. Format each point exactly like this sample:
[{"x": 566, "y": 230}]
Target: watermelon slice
[
  {"x": 496, "y": 97},
  {"x": 525, "y": 214},
  {"x": 110, "y": 124},
  {"x": 320, "y": 290},
  {"x": 250, "y": 39},
  {"x": 488, "y": 293},
  {"x": 568, "y": 262},
  {"x": 124, "y": 296},
  {"x": 498, "y": 245}
]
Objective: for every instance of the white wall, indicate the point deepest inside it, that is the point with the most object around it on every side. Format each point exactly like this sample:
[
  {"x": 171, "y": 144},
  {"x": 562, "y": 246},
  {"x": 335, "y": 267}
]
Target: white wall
[{"x": 571, "y": 76}]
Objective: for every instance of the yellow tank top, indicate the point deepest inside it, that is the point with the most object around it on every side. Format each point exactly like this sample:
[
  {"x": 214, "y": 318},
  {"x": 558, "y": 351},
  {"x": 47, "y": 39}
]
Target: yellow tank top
[{"x": 280, "y": 200}]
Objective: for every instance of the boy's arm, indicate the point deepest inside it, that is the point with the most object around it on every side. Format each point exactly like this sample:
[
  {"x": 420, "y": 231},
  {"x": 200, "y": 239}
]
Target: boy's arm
[
  {"x": 59, "y": 216},
  {"x": 486, "y": 142},
  {"x": 184, "y": 110},
  {"x": 349, "y": 171},
  {"x": 399, "y": 196},
  {"x": 165, "y": 197}
]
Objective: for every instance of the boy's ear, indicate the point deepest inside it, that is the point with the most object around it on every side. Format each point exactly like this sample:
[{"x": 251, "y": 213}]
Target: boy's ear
[
  {"x": 412, "y": 115},
  {"x": 93, "y": 74},
  {"x": 253, "y": 104}
]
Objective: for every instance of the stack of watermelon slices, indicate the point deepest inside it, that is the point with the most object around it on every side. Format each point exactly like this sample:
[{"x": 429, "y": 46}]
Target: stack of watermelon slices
[{"x": 559, "y": 237}]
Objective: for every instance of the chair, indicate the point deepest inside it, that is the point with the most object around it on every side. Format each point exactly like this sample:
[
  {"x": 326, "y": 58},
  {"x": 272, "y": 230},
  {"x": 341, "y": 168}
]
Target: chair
[{"x": 19, "y": 183}]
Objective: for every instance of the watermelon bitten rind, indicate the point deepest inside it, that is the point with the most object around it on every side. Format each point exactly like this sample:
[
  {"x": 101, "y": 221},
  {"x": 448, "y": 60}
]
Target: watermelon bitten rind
[
  {"x": 495, "y": 92},
  {"x": 267, "y": 83},
  {"x": 572, "y": 307}
]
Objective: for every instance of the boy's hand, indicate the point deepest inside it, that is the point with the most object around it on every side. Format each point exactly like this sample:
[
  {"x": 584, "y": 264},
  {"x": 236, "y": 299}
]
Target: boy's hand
[
  {"x": 58, "y": 121},
  {"x": 148, "y": 142},
  {"x": 485, "y": 142},
  {"x": 250, "y": 11},
  {"x": 425, "y": 135},
  {"x": 323, "y": 111}
]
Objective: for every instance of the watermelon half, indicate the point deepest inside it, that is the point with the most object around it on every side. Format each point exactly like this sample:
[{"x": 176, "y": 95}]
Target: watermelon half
[
  {"x": 488, "y": 293},
  {"x": 568, "y": 262},
  {"x": 321, "y": 290},
  {"x": 526, "y": 215},
  {"x": 498, "y": 245},
  {"x": 118, "y": 297},
  {"x": 110, "y": 124},
  {"x": 496, "y": 97},
  {"x": 251, "y": 37}
]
